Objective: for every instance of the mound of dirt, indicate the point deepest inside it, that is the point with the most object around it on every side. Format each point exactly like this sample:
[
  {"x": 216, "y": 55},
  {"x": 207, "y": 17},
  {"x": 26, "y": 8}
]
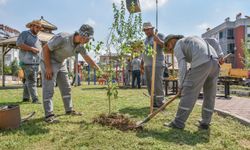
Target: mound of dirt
[{"x": 118, "y": 121}]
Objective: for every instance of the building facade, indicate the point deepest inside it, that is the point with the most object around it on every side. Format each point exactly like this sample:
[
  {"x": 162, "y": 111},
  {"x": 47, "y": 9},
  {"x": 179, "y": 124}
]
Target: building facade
[{"x": 231, "y": 34}]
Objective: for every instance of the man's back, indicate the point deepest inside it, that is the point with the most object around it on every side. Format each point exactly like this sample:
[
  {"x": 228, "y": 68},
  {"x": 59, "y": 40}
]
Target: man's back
[
  {"x": 136, "y": 64},
  {"x": 194, "y": 50}
]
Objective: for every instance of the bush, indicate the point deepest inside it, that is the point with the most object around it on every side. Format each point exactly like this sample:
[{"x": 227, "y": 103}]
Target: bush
[
  {"x": 14, "y": 68},
  {"x": 7, "y": 70}
]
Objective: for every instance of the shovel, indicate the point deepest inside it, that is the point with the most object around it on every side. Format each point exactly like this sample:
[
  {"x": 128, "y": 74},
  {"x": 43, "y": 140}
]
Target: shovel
[{"x": 141, "y": 123}]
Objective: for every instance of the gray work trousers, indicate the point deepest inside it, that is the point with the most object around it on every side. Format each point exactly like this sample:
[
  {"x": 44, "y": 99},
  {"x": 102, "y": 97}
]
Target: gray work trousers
[
  {"x": 127, "y": 77},
  {"x": 205, "y": 76},
  {"x": 30, "y": 83},
  {"x": 159, "y": 92},
  {"x": 60, "y": 76}
]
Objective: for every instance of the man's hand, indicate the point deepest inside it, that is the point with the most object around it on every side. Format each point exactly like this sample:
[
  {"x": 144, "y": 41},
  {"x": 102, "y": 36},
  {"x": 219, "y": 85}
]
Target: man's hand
[
  {"x": 34, "y": 50},
  {"x": 221, "y": 60},
  {"x": 179, "y": 92},
  {"x": 158, "y": 40},
  {"x": 48, "y": 73}
]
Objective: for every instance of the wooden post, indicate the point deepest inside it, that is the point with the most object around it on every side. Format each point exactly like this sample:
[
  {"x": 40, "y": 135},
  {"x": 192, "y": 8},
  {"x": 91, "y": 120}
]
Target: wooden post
[
  {"x": 94, "y": 76},
  {"x": 153, "y": 78},
  {"x": 3, "y": 75},
  {"x": 153, "y": 64},
  {"x": 173, "y": 65}
]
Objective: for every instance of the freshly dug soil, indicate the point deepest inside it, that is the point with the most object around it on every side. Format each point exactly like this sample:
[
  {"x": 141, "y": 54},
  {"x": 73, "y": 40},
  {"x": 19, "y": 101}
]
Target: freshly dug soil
[{"x": 118, "y": 121}]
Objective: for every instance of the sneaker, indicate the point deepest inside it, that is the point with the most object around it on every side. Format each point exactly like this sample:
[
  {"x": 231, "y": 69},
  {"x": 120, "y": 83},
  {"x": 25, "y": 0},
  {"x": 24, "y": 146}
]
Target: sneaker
[
  {"x": 156, "y": 106},
  {"x": 51, "y": 119},
  {"x": 26, "y": 99},
  {"x": 172, "y": 125},
  {"x": 203, "y": 126},
  {"x": 73, "y": 113}
]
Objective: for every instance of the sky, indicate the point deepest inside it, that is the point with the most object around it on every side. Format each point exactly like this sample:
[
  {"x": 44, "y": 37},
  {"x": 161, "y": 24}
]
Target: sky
[{"x": 186, "y": 17}]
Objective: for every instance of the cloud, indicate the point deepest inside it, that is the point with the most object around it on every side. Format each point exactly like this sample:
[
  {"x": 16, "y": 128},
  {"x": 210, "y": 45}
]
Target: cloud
[
  {"x": 3, "y": 2},
  {"x": 147, "y": 4},
  {"x": 203, "y": 26},
  {"x": 90, "y": 22}
]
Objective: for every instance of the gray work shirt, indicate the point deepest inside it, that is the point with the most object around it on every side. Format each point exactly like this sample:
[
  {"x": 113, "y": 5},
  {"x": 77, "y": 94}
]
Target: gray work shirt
[
  {"x": 136, "y": 64},
  {"x": 149, "y": 41},
  {"x": 193, "y": 50},
  {"x": 62, "y": 47},
  {"x": 216, "y": 45},
  {"x": 28, "y": 57}
]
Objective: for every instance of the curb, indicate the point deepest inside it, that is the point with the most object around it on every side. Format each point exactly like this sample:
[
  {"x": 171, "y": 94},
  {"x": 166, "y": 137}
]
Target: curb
[{"x": 224, "y": 113}]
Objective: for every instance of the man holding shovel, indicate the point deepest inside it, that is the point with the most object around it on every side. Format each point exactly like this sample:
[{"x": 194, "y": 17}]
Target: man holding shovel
[
  {"x": 203, "y": 73},
  {"x": 54, "y": 70},
  {"x": 148, "y": 60}
]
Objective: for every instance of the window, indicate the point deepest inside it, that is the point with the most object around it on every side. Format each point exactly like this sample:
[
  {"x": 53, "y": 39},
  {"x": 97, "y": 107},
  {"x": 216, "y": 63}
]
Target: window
[
  {"x": 230, "y": 48},
  {"x": 221, "y": 35},
  {"x": 230, "y": 34}
]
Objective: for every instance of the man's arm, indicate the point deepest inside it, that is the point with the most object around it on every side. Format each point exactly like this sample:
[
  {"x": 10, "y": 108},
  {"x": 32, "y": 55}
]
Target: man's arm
[
  {"x": 159, "y": 39},
  {"x": 182, "y": 64},
  {"x": 28, "y": 48},
  {"x": 216, "y": 45},
  {"x": 46, "y": 57},
  {"x": 90, "y": 61},
  {"x": 21, "y": 43}
]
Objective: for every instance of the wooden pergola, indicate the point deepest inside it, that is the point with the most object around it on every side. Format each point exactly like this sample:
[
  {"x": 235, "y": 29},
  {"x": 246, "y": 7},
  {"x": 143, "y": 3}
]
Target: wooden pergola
[{"x": 6, "y": 45}]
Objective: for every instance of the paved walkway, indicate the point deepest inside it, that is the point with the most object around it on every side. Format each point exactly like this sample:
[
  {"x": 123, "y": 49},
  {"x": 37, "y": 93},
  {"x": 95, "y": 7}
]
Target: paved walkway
[{"x": 237, "y": 107}]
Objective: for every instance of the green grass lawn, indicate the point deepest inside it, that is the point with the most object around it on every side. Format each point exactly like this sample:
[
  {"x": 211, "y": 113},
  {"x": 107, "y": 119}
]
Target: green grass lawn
[{"x": 79, "y": 132}]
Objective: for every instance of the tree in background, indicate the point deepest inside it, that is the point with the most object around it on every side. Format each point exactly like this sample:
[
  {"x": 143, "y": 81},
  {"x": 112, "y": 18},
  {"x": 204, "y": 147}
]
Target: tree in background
[
  {"x": 125, "y": 33},
  {"x": 14, "y": 67},
  {"x": 246, "y": 58}
]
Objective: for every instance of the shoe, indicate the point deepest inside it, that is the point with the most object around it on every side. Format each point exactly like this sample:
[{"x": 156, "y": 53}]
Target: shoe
[
  {"x": 73, "y": 113},
  {"x": 203, "y": 126},
  {"x": 156, "y": 106},
  {"x": 26, "y": 99},
  {"x": 172, "y": 125},
  {"x": 51, "y": 119}
]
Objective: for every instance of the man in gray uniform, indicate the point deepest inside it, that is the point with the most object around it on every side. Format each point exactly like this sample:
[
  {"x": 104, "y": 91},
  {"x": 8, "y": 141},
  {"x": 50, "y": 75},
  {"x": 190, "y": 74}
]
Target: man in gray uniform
[
  {"x": 54, "y": 70},
  {"x": 204, "y": 73},
  {"x": 136, "y": 72},
  {"x": 30, "y": 46},
  {"x": 149, "y": 42}
]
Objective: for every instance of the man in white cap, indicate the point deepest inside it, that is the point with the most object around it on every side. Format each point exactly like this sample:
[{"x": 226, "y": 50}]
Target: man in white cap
[
  {"x": 204, "y": 59},
  {"x": 30, "y": 46},
  {"x": 147, "y": 59},
  {"x": 53, "y": 66}
]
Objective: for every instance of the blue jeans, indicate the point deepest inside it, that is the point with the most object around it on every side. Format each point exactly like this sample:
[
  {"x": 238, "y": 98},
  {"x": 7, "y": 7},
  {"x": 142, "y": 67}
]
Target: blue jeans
[{"x": 136, "y": 74}]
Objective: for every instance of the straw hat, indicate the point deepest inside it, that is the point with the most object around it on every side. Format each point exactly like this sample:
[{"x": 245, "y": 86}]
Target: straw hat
[
  {"x": 147, "y": 25},
  {"x": 34, "y": 22}
]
